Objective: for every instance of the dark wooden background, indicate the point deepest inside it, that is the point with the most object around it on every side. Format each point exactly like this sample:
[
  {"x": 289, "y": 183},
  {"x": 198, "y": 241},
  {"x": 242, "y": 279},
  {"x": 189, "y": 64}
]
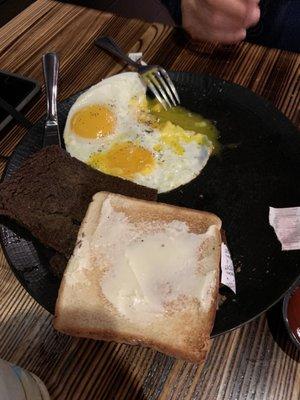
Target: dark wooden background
[
  {"x": 152, "y": 10},
  {"x": 11, "y": 8}
]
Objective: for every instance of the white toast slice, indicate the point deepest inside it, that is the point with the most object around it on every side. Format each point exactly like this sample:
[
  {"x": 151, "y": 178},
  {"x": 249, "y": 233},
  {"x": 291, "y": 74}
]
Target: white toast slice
[{"x": 143, "y": 273}]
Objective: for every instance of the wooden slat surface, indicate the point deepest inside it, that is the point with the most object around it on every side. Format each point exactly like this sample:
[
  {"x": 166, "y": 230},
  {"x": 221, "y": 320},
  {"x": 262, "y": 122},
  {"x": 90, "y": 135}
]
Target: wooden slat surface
[{"x": 245, "y": 364}]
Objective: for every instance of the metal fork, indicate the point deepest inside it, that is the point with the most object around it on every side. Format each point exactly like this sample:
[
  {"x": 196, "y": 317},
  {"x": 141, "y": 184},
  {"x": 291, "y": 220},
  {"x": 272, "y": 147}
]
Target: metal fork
[{"x": 155, "y": 77}]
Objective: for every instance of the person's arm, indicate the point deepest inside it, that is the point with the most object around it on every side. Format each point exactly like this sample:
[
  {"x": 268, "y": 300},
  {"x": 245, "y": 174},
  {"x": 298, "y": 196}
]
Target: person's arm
[{"x": 223, "y": 21}]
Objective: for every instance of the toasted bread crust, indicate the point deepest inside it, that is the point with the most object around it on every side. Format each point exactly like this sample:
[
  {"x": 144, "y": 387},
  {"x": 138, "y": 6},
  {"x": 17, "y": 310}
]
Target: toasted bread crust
[{"x": 197, "y": 357}]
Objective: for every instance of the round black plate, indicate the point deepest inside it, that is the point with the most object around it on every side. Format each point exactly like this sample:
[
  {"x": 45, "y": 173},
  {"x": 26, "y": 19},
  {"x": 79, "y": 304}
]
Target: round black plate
[{"x": 258, "y": 167}]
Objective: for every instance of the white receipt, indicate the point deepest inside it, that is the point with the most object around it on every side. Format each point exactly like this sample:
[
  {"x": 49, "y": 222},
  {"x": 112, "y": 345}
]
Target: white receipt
[
  {"x": 286, "y": 224},
  {"x": 227, "y": 270}
]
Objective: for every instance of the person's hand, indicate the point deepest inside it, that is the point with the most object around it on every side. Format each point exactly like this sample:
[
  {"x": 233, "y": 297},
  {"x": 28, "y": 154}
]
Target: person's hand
[{"x": 223, "y": 21}]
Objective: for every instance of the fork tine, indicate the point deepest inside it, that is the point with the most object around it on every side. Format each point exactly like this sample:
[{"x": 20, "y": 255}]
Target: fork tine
[
  {"x": 155, "y": 92},
  {"x": 160, "y": 78},
  {"x": 158, "y": 85},
  {"x": 171, "y": 84}
]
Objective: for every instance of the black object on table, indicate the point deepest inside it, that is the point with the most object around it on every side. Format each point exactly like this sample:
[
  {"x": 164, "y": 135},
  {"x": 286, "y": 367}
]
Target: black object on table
[{"x": 16, "y": 92}]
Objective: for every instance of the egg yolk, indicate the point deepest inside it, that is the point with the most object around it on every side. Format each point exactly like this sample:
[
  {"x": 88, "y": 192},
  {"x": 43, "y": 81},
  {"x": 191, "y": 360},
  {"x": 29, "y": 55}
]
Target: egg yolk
[
  {"x": 178, "y": 123},
  {"x": 93, "y": 121},
  {"x": 173, "y": 135},
  {"x": 123, "y": 159}
]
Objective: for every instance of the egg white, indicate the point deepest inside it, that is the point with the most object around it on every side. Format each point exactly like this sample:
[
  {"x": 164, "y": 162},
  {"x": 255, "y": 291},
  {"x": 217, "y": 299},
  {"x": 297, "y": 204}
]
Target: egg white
[
  {"x": 171, "y": 170},
  {"x": 115, "y": 92}
]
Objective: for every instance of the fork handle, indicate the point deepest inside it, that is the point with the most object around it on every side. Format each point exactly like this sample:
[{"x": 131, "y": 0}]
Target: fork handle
[{"x": 107, "y": 43}]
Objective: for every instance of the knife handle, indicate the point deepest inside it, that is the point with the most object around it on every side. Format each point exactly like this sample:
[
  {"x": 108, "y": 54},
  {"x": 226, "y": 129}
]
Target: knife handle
[{"x": 50, "y": 67}]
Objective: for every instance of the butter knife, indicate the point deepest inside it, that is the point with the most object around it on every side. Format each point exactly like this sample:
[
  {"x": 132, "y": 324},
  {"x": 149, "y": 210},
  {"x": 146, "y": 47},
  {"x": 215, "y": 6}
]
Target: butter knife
[{"x": 50, "y": 67}]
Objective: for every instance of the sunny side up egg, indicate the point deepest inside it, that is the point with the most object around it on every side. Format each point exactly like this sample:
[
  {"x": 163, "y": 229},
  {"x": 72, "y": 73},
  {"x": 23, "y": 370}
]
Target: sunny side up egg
[{"x": 110, "y": 127}]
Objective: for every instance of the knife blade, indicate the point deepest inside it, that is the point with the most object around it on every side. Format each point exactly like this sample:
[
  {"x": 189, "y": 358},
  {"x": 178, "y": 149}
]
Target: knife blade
[{"x": 51, "y": 131}]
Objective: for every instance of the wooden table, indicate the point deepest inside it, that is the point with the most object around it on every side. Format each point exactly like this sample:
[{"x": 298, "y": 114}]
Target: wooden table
[{"x": 245, "y": 364}]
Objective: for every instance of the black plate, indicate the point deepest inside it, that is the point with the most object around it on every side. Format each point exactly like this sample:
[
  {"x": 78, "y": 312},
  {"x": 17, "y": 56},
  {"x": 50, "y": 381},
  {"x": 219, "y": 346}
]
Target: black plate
[
  {"x": 258, "y": 167},
  {"x": 18, "y": 91}
]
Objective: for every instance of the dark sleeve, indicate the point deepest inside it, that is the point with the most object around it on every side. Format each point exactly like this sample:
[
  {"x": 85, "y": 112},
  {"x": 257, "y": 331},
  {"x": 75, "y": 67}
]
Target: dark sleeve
[
  {"x": 279, "y": 25},
  {"x": 174, "y": 9}
]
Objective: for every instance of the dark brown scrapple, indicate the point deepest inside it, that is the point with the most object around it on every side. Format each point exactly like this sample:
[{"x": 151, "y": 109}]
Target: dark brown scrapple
[{"x": 50, "y": 193}]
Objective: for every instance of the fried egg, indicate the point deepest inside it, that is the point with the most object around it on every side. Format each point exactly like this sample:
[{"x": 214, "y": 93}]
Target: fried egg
[{"x": 111, "y": 128}]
